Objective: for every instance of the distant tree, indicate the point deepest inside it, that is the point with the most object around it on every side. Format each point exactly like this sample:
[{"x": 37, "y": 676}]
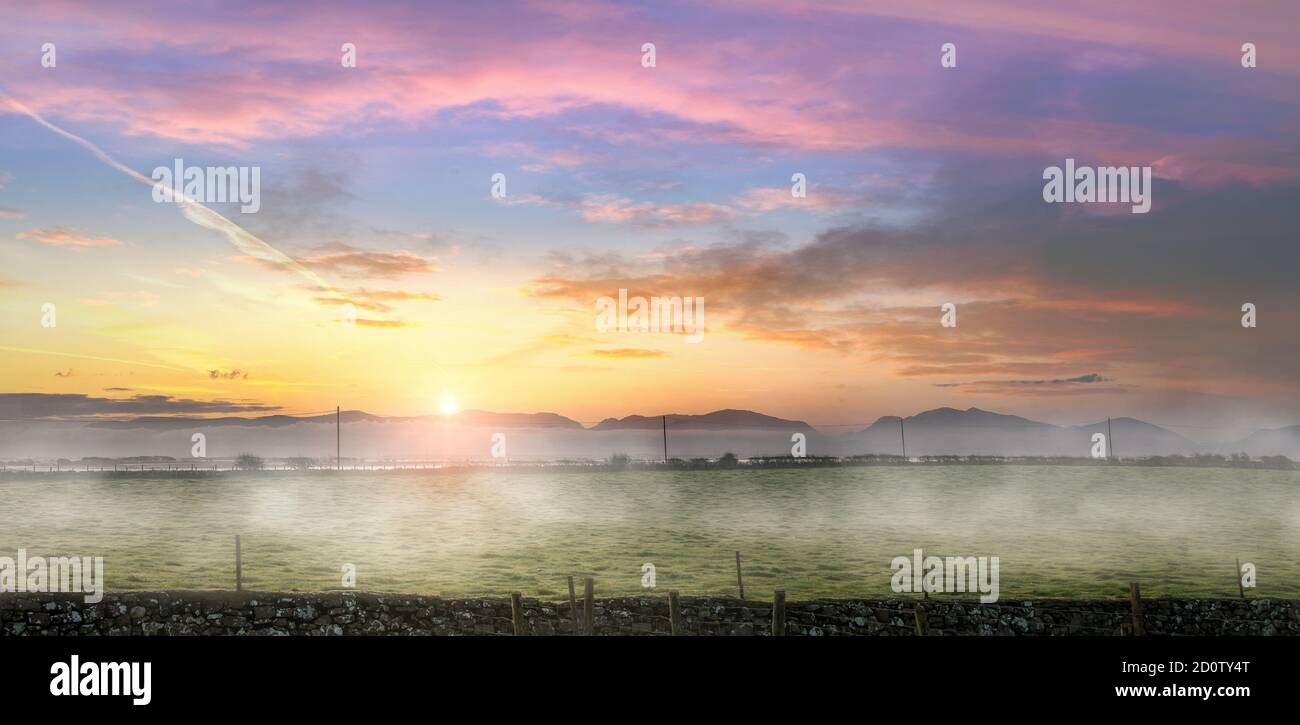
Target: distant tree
[
  {"x": 1279, "y": 462},
  {"x": 619, "y": 460},
  {"x": 300, "y": 463},
  {"x": 249, "y": 462},
  {"x": 728, "y": 460}
]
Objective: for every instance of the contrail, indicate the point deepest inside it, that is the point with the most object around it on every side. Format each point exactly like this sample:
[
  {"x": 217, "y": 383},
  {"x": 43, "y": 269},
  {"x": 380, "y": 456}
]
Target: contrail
[
  {"x": 92, "y": 357},
  {"x": 196, "y": 212}
]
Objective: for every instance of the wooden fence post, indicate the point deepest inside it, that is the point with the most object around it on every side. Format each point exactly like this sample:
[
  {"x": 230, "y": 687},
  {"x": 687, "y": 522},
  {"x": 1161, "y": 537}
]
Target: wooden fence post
[
  {"x": 239, "y": 566},
  {"x": 517, "y": 613},
  {"x": 739, "y": 581},
  {"x": 675, "y": 613},
  {"x": 778, "y": 614},
  {"x": 589, "y": 603},
  {"x": 921, "y": 622},
  {"x": 1135, "y": 600},
  {"x": 573, "y": 607}
]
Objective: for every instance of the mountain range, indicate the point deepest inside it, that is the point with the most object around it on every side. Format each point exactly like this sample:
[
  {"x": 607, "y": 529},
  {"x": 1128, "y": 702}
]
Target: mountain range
[
  {"x": 717, "y": 420},
  {"x": 942, "y": 431},
  {"x": 948, "y": 431},
  {"x": 478, "y": 418}
]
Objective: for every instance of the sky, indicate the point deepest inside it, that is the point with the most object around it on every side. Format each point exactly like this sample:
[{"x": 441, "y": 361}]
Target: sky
[{"x": 924, "y": 186}]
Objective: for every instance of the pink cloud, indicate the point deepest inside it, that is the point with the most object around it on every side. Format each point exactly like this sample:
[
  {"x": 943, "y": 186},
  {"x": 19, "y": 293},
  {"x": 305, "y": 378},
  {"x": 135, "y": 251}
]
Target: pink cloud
[
  {"x": 278, "y": 77},
  {"x": 617, "y": 209},
  {"x": 1195, "y": 28},
  {"x": 64, "y": 237}
]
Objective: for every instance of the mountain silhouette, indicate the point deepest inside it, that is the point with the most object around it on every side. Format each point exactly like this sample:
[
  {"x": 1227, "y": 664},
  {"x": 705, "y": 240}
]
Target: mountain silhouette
[
  {"x": 940, "y": 431},
  {"x": 948, "y": 431},
  {"x": 465, "y": 418},
  {"x": 729, "y": 419},
  {"x": 1270, "y": 442}
]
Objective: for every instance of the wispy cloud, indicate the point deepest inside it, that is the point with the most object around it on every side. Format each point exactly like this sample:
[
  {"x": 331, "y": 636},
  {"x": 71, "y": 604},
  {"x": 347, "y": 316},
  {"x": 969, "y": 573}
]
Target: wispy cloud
[
  {"x": 616, "y": 209},
  {"x": 194, "y": 211},
  {"x": 377, "y": 300},
  {"x": 1094, "y": 382},
  {"x": 31, "y": 406},
  {"x": 350, "y": 261},
  {"x": 384, "y": 324},
  {"x": 63, "y": 237},
  {"x": 625, "y": 353},
  {"x": 235, "y": 374},
  {"x": 610, "y": 208}
]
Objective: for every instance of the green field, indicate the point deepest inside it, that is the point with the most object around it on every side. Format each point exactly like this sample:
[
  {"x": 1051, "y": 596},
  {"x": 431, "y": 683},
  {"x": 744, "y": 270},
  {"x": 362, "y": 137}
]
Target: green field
[{"x": 1058, "y": 531}]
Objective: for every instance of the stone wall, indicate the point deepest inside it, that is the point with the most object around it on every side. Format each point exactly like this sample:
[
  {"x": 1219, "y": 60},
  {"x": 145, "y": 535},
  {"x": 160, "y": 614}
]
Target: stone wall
[{"x": 353, "y": 613}]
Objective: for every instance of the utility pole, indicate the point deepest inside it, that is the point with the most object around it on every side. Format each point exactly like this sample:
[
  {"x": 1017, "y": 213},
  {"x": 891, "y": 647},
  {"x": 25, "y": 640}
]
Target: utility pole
[
  {"x": 903, "y": 435},
  {"x": 665, "y": 439},
  {"x": 1110, "y": 440},
  {"x": 338, "y": 439}
]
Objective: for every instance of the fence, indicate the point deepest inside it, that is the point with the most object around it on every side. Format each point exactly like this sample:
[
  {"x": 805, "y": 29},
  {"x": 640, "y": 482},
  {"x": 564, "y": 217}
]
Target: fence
[{"x": 582, "y": 621}]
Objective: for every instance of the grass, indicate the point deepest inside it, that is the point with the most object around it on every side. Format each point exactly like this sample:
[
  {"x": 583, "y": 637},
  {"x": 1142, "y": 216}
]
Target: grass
[{"x": 1058, "y": 531}]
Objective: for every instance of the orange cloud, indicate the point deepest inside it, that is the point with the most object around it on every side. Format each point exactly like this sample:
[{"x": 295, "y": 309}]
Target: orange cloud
[
  {"x": 351, "y": 261},
  {"x": 392, "y": 324},
  {"x": 64, "y": 237},
  {"x": 375, "y": 300},
  {"x": 618, "y": 209},
  {"x": 628, "y": 352}
]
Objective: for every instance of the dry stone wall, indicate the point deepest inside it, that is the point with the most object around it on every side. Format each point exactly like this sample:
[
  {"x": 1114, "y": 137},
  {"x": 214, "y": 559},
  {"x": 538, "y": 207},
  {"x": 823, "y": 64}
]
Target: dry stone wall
[{"x": 363, "y": 613}]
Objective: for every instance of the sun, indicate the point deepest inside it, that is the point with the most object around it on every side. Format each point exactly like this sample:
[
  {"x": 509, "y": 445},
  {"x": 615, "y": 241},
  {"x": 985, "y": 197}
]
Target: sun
[{"x": 449, "y": 406}]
